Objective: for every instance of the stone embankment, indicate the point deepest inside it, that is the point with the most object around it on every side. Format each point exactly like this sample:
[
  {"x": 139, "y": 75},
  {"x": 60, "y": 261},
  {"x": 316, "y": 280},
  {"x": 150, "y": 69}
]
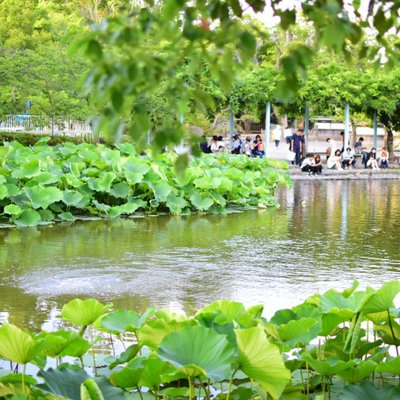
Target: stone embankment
[{"x": 347, "y": 174}]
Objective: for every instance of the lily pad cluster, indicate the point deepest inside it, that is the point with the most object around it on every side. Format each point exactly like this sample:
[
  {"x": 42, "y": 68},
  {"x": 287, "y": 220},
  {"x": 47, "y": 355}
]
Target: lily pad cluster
[
  {"x": 339, "y": 345},
  {"x": 40, "y": 184}
]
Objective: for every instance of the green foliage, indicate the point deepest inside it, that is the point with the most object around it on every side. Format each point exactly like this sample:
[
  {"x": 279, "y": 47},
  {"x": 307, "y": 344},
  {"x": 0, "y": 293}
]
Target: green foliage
[
  {"x": 42, "y": 183},
  {"x": 221, "y": 349}
]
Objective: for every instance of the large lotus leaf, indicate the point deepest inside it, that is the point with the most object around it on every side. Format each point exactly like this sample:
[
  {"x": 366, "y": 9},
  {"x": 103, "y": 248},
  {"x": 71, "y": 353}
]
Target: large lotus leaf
[
  {"x": 129, "y": 376},
  {"x": 176, "y": 203},
  {"x": 333, "y": 301},
  {"x": 367, "y": 391},
  {"x": 17, "y": 391},
  {"x": 125, "y": 356},
  {"x": 390, "y": 366},
  {"x": 382, "y": 299},
  {"x": 151, "y": 376},
  {"x": 127, "y": 208},
  {"x": 261, "y": 360},
  {"x": 390, "y": 333},
  {"x": 13, "y": 189},
  {"x": 110, "y": 156},
  {"x": 195, "y": 349},
  {"x": 299, "y": 331},
  {"x": 83, "y": 312},
  {"x": 27, "y": 170},
  {"x": 28, "y": 217},
  {"x": 71, "y": 180},
  {"x": 358, "y": 371},
  {"x": 72, "y": 198},
  {"x": 128, "y": 149},
  {"x": 45, "y": 178},
  {"x": 13, "y": 210},
  {"x": 330, "y": 322},
  {"x": 120, "y": 190},
  {"x": 120, "y": 321},
  {"x": 201, "y": 201},
  {"x": 328, "y": 367},
  {"x": 161, "y": 191},
  {"x": 42, "y": 197},
  {"x": 16, "y": 345},
  {"x": 103, "y": 183},
  {"x": 153, "y": 332},
  {"x": 133, "y": 177},
  {"x": 77, "y": 347},
  {"x": 3, "y": 191},
  {"x": 207, "y": 182},
  {"x": 87, "y": 153},
  {"x": 228, "y": 311},
  {"x": 64, "y": 382},
  {"x": 66, "y": 216},
  {"x": 53, "y": 344}
]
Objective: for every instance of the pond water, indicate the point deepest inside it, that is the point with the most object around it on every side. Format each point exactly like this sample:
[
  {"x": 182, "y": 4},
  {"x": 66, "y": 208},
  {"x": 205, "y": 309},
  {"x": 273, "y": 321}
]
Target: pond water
[{"x": 325, "y": 235}]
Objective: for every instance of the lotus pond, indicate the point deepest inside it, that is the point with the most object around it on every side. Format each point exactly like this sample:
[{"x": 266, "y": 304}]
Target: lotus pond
[{"x": 325, "y": 235}]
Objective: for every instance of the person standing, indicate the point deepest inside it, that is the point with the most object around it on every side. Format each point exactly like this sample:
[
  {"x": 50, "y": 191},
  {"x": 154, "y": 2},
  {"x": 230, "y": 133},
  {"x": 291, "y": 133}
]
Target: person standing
[
  {"x": 296, "y": 144},
  {"x": 276, "y": 136}
]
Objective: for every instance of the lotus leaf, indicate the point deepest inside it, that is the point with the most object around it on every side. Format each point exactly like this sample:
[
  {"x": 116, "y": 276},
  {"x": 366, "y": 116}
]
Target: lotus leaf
[
  {"x": 83, "y": 312},
  {"x": 390, "y": 366},
  {"x": 261, "y": 360},
  {"x": 64, "y": 382},
  {"x": 196, "y": 350},
  {"x": 28, "y": 217},
  {"x": 16, "y": 345},
  {"x": 13, "y": 210},
  {"x": 358, "y": 371},
  {"x": 382, "y": 299},
  {"x": 367, "y": 391},
  {"x": 41, "y": 196},
  {"x": 120, "y": 321},
  {"x": 201, "y": 202}
]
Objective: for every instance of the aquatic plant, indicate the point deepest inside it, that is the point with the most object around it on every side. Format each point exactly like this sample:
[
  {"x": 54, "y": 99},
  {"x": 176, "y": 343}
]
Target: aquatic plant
[
  {"x": 40, "y": 184},
  {"x": 335, "y": 345}
]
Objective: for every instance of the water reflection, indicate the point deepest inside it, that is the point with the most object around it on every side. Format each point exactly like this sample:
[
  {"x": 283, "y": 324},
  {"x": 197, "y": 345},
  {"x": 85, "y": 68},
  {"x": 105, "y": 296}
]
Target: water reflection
[{"x": 325, "y": 235}]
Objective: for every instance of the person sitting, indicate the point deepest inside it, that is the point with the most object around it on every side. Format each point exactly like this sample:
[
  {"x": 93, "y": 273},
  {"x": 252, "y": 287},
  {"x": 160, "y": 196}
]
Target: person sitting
[
  {"x": 248, "y": 148},
  {"x": 372, "y": 162},
  {"x": 214, "y": 144},
  {"x": 334, "y": 161},
  {"x": 236, "y": 145},
  {"x": 359, "y": 146},
  {"x": 384, "y": 159},
  {"x": 317, "y": 167},
  {"x": 258, "y": 147},
  {"x": 348, "y": 159},
  {"x": 308, "y": 164},
  {"x": 204, "y": 147}
]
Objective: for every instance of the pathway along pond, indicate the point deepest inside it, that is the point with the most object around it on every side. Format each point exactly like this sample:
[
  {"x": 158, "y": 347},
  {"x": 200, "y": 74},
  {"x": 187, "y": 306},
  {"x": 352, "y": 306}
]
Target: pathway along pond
[{"x": 325, "y": 235}]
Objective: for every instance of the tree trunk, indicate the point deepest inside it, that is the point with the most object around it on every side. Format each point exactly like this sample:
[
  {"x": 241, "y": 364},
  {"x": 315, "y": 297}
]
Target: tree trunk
[{"x": 389, "y": 144}]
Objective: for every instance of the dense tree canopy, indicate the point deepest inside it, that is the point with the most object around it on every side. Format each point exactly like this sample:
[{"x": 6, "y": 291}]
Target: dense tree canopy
[{"x": 139, "y": 66}]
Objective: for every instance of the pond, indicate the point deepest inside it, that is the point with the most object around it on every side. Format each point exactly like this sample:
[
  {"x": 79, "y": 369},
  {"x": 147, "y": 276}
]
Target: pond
[{"x": 325, "y": 235}]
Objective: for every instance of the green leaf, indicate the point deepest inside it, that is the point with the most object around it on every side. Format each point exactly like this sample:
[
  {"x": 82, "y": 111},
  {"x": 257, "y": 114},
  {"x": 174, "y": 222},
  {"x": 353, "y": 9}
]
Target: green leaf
[
  {"x": 367, "y": 391},
  {"x": 83, "y": 312},
  {"x": 201, "y": 201},
  {"x": 261, "y": 361},
  {"x": 3, "y": 192},
  {"x": 383, "y": 298},
  {"x": 120, "y": 321},
  {"x": 161, "y": 191},
  {"x": 72, "y": 198},
  {"x": 358, "y": 372},
  {"x": 66, "y": 216},
  {"x": 13, "y": 210},
  {"x": 196, "y": 350},
  {"x": 28, "y": 218},
  {"x": 390, "y": 366},
  {"x": 42, "y": 197},
  {"x": 90, "y": 390},
  {"x": 64, "y": 382},
  {"x": 16, "y": 345}
]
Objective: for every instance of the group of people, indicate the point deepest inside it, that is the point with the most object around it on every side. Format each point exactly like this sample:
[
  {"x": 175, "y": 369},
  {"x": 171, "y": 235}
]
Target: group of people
[
  {"x": 342, "y": 159},
  {"x": 339, "y": 158},
  {"x": 249, "y": 147}
]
